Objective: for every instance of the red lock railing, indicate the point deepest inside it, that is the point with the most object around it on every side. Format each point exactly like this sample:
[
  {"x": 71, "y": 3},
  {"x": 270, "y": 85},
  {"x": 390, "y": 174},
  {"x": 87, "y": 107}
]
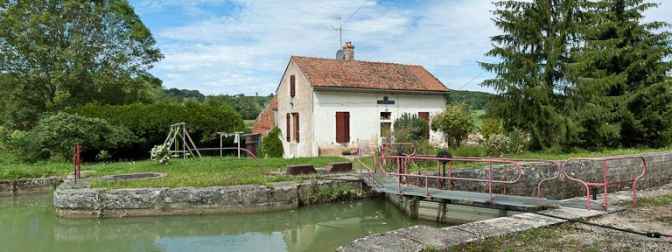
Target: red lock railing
[{"x": 605, "y": 176}]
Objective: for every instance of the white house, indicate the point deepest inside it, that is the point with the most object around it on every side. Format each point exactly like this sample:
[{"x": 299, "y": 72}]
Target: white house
[{"x": 326, "y": 106}]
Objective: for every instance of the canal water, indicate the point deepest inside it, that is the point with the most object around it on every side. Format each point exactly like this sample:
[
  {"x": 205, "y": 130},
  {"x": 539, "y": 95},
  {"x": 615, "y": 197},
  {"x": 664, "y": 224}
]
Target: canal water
[{"x": 28, "y": 223}]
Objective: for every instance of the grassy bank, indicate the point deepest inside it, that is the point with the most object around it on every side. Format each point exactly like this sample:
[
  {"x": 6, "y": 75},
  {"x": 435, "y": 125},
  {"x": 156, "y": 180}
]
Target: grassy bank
[
  {"x": 208, "y": 171},
  {"x": 38, "y": 170}
]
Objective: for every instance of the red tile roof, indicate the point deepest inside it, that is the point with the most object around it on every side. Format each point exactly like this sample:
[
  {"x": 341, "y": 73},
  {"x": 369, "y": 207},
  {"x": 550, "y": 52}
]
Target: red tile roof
[
  {"x": 266, "y": 119},
  {"x": 368, "y": 75}
]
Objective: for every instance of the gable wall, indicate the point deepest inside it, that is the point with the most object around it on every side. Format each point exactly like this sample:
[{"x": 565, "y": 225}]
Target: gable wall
[{"x": 302, "y": 103}]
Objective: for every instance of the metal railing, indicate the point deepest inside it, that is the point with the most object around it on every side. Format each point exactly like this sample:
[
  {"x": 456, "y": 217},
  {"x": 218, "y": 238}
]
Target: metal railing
[
  {"x": 401, "y": 176},
  {"x": 605, "y": 176}
]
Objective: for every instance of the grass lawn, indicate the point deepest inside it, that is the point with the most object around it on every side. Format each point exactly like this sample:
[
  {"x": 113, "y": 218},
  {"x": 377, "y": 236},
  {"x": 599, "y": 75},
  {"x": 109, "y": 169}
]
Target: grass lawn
[
  {"x": 208, "y": 171},
  {"x": 37, "y": 170}
]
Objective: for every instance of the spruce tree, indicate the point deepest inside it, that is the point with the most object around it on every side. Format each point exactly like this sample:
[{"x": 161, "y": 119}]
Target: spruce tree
[
  {"x": 530, "y": 81},
  {"x": 618, "y": 74}
]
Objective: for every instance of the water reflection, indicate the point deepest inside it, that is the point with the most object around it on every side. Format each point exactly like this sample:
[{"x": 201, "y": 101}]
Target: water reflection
[{"x": 28, "y": 223}]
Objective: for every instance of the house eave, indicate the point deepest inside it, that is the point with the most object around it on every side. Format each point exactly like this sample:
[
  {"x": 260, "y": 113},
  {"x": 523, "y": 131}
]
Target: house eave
[{"x": 373, "y": 90}]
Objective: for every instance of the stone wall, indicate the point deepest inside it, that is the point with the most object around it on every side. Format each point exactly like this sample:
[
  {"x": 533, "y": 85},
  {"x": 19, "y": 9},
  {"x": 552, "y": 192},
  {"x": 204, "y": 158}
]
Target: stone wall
[
  {"x": 27, "y": 186},
  {"x": 659, "y": 172},
  {"x": 88, "y": 203}
]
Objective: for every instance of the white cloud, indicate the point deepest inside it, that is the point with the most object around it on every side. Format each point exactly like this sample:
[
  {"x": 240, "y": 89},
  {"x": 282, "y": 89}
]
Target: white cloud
[{"x": 246, "y": 50}]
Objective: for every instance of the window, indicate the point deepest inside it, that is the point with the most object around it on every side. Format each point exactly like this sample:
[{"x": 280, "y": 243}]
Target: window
[
  {"x": 342, "y": 127},
  {"x": 295, "y": 116},
  {"x": 425, "y": 116},
  {"x": 288, "y": 128},
  {"x": 292, "y": 86},
  {"x": 385, "y": 116}
]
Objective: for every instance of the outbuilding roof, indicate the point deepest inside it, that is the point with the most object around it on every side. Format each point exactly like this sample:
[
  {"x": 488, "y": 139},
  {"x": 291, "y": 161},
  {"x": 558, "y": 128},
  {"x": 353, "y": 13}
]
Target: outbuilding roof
[{"x": 335, "y": 73}]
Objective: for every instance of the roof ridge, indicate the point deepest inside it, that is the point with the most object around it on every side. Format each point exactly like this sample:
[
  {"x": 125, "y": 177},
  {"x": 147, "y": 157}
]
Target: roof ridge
[{"x": 363, "y": 61}]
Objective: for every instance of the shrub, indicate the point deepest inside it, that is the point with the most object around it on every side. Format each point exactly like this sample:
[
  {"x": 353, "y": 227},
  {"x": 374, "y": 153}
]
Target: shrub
[
  {"x": 271, "y": 145},
  {"x": 491, "y": 126},
  {"x": 59, "y": 133},
  {"x": 161, "y": 154},
  {"x": 496, "y": 145},
  {"x": 518, "y": 141},
  {"x": 455, "y": 122},
  {"x": 150, "y": 122},
  {"x": 103, "y": 155},
  {"x": 409, "y": 128}
]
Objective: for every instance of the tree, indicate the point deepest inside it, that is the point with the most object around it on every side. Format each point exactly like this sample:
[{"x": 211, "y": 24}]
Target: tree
[
  {"x": 455, "y": 122},
  {"x": 530, "y": 81},
  {"x": 59, "y": 53},
  {"x": 271, "y": 145},
  {"x": 59, "y": 133},
  {"x": 621, "y": 90}
]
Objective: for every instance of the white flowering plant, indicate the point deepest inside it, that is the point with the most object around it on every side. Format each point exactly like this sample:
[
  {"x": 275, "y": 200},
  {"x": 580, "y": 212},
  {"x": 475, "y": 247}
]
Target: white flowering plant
[{"x": 161, "y": 154}]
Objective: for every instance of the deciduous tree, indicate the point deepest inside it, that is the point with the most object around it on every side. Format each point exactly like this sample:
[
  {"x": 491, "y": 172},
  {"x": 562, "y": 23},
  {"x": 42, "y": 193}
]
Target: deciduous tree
[{"x": 59, "y": 53}]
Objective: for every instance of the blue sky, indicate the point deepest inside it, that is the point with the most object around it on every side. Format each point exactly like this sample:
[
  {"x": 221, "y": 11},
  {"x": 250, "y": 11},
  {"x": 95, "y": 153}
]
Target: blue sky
[{"x": 243, "y": 46}]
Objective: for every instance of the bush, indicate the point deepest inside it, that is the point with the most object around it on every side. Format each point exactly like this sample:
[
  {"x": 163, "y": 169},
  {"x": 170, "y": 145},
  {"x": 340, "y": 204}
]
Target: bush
[
  {"x": 59, "y": 133},
  {"x": 409, "y": 128},
  {"x": 518, "y": 141},
  {"x": 161, "y": 154},
  {"x": 19, "y": 146},
  {"x": 271, "y": 145},
  {"x": 491, "y": 126},
  {"x": 455, "y": 122},
  {"x": 150, "y": 122},
  {"x": 497, "y": 145}
]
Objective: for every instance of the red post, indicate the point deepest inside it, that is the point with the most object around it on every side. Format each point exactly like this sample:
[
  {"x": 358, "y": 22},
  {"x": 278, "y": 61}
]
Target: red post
[{"x": 76, "y": 159}]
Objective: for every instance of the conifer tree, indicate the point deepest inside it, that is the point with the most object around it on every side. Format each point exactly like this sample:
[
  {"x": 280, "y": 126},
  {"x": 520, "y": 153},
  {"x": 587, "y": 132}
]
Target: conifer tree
[
  {"x": 619, "y": 88},
  {"x": 530, "y": 81}
]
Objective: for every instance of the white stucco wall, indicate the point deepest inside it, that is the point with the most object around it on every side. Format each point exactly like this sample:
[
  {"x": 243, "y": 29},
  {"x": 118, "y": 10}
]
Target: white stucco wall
[
  {"x": 364, "y": 116},
  {"x": 301, "y": 103}
]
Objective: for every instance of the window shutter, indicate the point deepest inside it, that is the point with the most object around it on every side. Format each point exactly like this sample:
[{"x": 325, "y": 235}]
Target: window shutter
[
  {"x": 425, "y": 116},
  {"x": 346, "y": 125},
  {"x": 296, "y": 126},
  {"x": 292, "y": 86},
  {"x": 288, "y": 128}
]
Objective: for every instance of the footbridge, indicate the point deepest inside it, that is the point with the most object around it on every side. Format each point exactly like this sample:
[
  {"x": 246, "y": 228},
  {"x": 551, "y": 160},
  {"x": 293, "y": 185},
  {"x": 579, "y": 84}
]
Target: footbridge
[{"x": 397, "y": 169}]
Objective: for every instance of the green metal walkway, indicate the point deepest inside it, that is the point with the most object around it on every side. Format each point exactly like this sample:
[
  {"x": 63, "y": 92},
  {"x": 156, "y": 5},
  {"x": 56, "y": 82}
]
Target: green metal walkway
[{"x": 384, "y": 183}]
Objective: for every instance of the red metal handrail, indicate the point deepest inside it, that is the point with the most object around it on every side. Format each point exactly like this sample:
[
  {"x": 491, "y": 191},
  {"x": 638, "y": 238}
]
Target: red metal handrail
[
  {"x": 489, "y": 180},
  {"x": 370, "y": 171},
  {"x": 605, "y": 182},
  {"x": 551, "y": 162}
]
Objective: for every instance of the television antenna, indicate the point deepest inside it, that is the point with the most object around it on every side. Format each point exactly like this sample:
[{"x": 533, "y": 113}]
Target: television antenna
[{"x": 340, "y": 31}]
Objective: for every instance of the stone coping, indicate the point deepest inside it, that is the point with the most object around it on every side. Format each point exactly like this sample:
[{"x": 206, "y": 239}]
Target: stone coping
[
  {"x": 417, "y": 238},
  {"x": 10, "y": 187},
  {"x": 83, "y": 202}
]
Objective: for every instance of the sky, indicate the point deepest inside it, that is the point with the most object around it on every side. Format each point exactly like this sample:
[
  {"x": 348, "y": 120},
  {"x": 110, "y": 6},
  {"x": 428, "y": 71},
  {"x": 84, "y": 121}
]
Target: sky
[{"x": 243, "y": 46}]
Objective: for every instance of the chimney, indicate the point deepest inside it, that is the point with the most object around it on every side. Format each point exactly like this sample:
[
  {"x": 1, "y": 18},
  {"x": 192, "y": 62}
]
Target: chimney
[{"x": 349, "y": 51}]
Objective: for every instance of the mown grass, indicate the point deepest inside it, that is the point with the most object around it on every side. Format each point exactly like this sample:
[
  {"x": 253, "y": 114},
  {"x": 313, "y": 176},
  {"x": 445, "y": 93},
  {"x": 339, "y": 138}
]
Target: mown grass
[
  {"x": 37, "y": 170},
  {"x": 208, "y": 171}
]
